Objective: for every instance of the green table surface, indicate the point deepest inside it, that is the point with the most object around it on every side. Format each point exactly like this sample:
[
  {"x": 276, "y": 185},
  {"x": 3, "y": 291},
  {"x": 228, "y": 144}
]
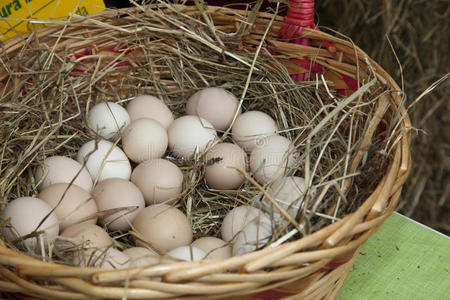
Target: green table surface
[{"x": 403, "y": 260}]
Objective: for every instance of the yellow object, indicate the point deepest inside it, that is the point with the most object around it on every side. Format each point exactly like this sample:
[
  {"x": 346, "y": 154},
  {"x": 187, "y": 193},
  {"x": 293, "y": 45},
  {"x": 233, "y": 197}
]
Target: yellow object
[{"x": 16, "y": 14}]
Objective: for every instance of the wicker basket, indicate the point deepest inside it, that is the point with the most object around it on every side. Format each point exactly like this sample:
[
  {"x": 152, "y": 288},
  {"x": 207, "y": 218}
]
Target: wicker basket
[{"x": 296, "y": 271}]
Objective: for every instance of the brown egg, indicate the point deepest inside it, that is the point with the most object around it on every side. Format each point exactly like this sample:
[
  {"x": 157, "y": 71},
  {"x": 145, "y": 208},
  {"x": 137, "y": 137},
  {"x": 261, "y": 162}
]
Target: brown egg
[
  {"x": 118, "y": 193},
  {"x": 163, "y": 226},
  {"x": 144, "y": 139},
  {"x": 222, "y": 161},
  {"x": 214, "y": 248},
  {"x": 159, "y": 181},
  {"x": 72, "y": 204},
  {"x": 92, "y": 235},
  {"x": 60, "y": 169}
]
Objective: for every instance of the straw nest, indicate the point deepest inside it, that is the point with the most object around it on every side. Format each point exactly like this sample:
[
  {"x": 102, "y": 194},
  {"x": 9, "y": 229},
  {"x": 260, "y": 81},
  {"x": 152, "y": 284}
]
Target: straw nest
[{"x": 47, "y": 90}]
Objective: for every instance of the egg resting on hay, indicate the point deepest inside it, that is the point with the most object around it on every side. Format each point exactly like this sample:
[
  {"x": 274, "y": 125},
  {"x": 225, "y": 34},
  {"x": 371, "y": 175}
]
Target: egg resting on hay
[{"x": 50, "y": 102}]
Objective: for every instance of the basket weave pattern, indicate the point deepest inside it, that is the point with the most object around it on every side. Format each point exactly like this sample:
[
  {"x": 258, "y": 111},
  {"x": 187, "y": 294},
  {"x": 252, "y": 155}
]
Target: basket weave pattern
[{"x": 290, "y": 270}]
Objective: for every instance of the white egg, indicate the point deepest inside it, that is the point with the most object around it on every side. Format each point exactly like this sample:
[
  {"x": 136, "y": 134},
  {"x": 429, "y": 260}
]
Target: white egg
[
  {"x": 272, "y": 159},
  {"x": 105, "y": 160},
  {"x": 25, "y": 214},
  {"x": 186, "y": 253},
  {"x": 190, "y": 134},
  {"x": 236, "y": 219},
  {"x": 252, "y": 126},
  {"x": 254, "y": 235},
  {"x": 288, "y": 192},
  {"x": 108, "y": 119}
]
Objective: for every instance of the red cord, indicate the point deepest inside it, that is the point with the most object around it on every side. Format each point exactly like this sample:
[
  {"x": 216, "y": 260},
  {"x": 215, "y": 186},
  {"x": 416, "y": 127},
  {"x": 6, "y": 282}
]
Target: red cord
[{"x": 300, "y": 14}]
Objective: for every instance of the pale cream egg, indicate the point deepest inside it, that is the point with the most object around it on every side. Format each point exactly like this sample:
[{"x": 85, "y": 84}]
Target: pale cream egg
[
  {"x": 163, "y": 226},
  {"x": 222, "y": 164},
  {"x": 26, "y": 215},
  {"x": 252, "y": 126},
  {"x": 121, "y": 196},
  {"x": 159, "y": 180},
  {"x": 272, "y": 159},
  {"x": 144, "y": 139},
  {"x": 61, "y": 169},
  {"x": 216, "y": 105},
  {"x": 71, "y": 204},
  {"x": 146, "y": 106},
  {"x": 214, "y": 248}
]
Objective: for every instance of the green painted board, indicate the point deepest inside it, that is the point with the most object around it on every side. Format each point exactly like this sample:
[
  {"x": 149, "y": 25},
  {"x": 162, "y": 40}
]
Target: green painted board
[{"x": 403, "y": 260}]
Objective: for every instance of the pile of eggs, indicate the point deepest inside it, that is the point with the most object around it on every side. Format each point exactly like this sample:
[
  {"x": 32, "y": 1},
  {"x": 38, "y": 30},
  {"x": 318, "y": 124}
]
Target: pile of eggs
[{"x": 101, "y": 187}]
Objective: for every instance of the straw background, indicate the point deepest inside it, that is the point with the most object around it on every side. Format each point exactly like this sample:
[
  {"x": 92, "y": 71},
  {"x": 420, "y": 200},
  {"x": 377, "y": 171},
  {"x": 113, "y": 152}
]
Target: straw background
[{"x": 418, "y": 31}]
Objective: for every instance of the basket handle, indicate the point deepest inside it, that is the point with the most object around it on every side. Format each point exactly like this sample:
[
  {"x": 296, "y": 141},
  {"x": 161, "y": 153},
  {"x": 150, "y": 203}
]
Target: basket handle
[{"x": 300, "y": 14}]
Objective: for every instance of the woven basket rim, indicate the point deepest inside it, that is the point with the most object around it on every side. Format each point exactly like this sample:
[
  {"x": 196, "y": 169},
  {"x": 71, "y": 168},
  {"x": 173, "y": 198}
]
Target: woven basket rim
[{"x": 355, "y": 228}]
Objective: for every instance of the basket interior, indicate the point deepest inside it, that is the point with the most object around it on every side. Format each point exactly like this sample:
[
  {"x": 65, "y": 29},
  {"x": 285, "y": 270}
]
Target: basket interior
[{"x": 54, "y": 76}]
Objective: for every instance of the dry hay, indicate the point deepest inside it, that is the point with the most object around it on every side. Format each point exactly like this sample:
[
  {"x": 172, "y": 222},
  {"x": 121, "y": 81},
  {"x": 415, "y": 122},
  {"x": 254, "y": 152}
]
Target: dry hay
[{"x": 48, "y": 93}]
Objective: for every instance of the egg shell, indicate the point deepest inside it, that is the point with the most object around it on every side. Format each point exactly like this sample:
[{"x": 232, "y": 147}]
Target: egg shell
[
  {"x": 72, "y": 204},
  {"x": 159, "y": 181},
  {"x": 288, "y": 192},
  {"x": 93, "y": 236},
  {"x": 254, "y": 235},
  {"x": 213, "y": 247},
  {"x": 144, "y": 139},
  {"x": 189, "y": 134},
  {"x": 165, "y": 227},
  {"x": 273, "y": 158},
  {"x": 61, "y": 169},
  {"x": 116, "y": 193},
  {"x": 114, "y": 259},
  {"x": 141, "y": 257},
  {"x": 252, "y": 126},
  {"x": 216, "y": 105},
  {"x": 104, "y": 160},
  {"x": 25, "y": 214},
  {"x": 222, "y": 174},
  {"x": 146, "y": 106},
  {"x": 108, "y": 119},
  {"x": 185, "y": 253},
  {"x": 236, "y": 219}
]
